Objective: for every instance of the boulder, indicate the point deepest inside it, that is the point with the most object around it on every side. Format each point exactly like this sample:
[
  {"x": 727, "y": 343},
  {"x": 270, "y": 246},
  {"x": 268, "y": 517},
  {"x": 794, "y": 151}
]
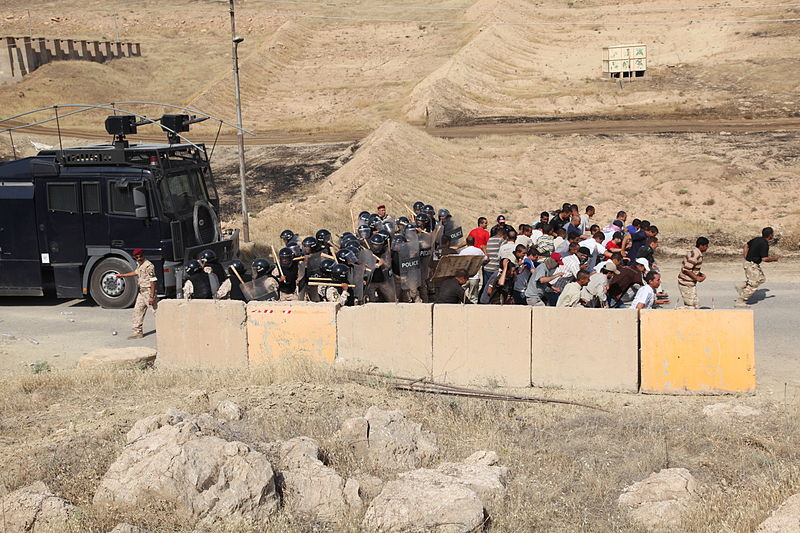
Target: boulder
[
  {"x": 387, "y": 440},
  {"x": 369, "y": 486},
  {"x": 659, "y": 501},
  {"x": 132, "y": 357},
  {"x": 309, "y": 487},
  {"x": 726, "y": 411},
  {"x": 35, "y": 508},
  {"x": 228, "y": 410},
  {"x": 174, "y": 458},
  {"x": 785, "y": 519},
  {"x": 486, "y": 480},
  {"x": 410, "y": 506}
]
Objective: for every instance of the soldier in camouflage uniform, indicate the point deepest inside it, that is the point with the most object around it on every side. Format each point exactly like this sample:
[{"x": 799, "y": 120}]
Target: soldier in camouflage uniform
[{"x": 146, "y": 274}]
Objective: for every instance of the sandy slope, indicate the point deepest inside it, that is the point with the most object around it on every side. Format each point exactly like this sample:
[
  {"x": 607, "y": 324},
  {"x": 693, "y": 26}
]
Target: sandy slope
[{"x": 688, "y": 183}]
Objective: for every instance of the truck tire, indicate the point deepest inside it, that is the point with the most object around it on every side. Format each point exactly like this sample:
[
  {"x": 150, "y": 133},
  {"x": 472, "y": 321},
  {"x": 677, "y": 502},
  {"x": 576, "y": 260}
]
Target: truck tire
[{"x": 109, "y": 292}]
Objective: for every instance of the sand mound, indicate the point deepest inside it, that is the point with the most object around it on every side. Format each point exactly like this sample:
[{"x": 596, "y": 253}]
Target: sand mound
[
  {"x": 393, "y": 166},
  {"x": 689, "y": 184},
  {"x": 555, "y": 69}
]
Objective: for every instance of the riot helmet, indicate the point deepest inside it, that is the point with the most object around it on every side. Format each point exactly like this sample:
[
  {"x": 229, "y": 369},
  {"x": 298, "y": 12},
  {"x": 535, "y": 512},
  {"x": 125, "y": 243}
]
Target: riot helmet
[
  {"x": 354, "y": 246},
  {"x": 422, "y": 220},
  {"x": 287, "y": 235},
  {"x": 377, "y": 243},
  {"x": 207, "y": 255},
  {"x": 323, "y": 236},
  {"x": 325, "y": 267},
  {"x": 364, "y": 231},
  {"x": 285, "y": 256},
  {"x": 429, "y": 210},
  {"x": 444, "y": 213},
  {"x": 237, "y": 265},
  {"x": 346, "y": 255},
  {"x": 310, "y": 245},
  {"x": 194, "y": 267},
  {"x": 262, "y": 267},
  {"x": 340, "y": 273},
  {"x": 402, "y": 222},
  {"x": 295, "y": 249},
  {"x": 375, "y": 221},
  {"x": 386, "y": 235},
  {"x": 418, "y": 207},
  {"x": 363, "y": 217}
]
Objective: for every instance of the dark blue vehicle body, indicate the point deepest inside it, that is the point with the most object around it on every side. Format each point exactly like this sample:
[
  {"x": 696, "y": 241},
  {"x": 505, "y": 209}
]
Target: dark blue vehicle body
[{"x": 69, "y": 219}]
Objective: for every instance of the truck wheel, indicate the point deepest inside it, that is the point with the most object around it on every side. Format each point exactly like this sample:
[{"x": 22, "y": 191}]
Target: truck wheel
[{"x": 108, "y": 291}]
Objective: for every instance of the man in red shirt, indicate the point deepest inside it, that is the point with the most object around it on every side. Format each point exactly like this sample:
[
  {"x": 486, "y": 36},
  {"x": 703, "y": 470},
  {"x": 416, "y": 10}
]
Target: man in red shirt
[{"x": 480, "y": 234}]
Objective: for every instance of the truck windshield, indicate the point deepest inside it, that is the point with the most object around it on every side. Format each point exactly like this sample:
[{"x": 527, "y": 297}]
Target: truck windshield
[{"x": 180, "y": 191}]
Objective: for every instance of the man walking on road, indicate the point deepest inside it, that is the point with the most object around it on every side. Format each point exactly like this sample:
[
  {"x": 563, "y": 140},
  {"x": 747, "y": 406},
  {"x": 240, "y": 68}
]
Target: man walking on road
[
  {"x": 146, "y": 273},
  {"x": 690, "y": 274},
  {"x": 756, "y": 250}
]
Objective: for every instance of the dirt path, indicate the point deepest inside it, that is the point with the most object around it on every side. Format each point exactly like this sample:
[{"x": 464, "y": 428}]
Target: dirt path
[{"x": 550, "y": 127}]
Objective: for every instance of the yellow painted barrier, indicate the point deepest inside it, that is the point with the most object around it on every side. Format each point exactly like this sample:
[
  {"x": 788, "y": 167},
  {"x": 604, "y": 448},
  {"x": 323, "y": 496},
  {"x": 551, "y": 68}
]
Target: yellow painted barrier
[
  {"x": 291, "y": 329},
  {"x": 687, "y": 351}
]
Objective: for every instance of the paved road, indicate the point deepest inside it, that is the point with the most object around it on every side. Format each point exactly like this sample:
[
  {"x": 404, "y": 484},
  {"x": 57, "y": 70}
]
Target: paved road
[
  {"x": 552, "y": 127},
  {"x": 61, "y": 342}
]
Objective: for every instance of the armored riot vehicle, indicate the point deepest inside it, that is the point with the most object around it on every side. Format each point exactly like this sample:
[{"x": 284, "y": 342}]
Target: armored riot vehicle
[{"x": 70, "y": 218}]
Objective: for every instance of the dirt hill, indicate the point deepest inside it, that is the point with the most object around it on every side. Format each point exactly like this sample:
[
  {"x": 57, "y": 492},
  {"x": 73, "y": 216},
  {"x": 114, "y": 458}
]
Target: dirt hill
[{"x": 690, "y": 184}]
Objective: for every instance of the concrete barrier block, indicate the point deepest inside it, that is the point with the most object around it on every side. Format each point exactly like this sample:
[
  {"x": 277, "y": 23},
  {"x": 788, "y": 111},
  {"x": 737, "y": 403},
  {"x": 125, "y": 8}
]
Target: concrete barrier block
[
  {"x": 688, "y": 351},
  {"x": 482, "y": 344},
  {"x": 201, "y": 334},
  {"x": 394, "y": 338},
  {"x": 291, "y": 329},
  {"x": 585, "y": 348}
]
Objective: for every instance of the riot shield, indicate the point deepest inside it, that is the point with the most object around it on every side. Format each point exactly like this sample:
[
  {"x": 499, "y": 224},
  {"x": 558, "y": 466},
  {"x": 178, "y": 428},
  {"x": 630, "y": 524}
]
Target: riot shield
[
  {"x": 410, "y": 267},
  {"x": 452, "y": 228},
  {"x": 368, "y": 259},
  {"x": 261, "y": 290},
  {"x": 356, "y": 278},
  {"x": 390, "y": 225}
]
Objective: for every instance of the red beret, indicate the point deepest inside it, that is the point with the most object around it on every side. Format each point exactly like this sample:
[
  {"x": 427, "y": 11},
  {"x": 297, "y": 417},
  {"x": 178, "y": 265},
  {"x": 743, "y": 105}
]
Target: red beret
[{"x": 138, "y": 251}]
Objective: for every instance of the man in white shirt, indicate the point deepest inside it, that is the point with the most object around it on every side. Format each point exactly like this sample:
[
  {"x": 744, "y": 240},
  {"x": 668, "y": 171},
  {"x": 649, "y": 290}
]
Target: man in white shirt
[
  {"x": 570, "y": 268},
  {"x": 586, "y": 218},
  {"x": 507, "y": 248},
  {"x": 524, "y": 237},
  {"x": 595, "y": 246},
  {"x": 646, "y": 295},
  {"x": 594, "y": 294},
  {"x": 473, "y": 286}
]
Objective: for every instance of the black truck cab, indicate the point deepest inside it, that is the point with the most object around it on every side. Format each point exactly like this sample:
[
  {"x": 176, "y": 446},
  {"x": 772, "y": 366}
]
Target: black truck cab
[{"x": 69, "y": 219}]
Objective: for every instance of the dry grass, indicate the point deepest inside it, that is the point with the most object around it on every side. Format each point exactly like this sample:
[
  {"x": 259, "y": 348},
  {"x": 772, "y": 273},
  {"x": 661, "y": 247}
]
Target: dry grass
[{"x": 567, "y": 464}]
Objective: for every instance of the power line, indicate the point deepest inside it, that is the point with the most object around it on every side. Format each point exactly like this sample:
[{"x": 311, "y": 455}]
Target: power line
[{"x": 533, "y": 23}]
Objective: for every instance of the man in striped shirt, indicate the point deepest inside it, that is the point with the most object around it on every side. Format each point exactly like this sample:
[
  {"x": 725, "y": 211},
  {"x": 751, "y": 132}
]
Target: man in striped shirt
[
  {"x": 493, "y": 256},
  {"x": 690, "y": 274}
]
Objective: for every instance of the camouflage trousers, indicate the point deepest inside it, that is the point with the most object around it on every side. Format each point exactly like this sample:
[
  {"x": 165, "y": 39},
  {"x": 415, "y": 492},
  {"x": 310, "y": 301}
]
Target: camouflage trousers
[
  {"x": 689, "y": 296},
  {"x": 140, "y": 309},
  {"x": 754, "y": 277}
]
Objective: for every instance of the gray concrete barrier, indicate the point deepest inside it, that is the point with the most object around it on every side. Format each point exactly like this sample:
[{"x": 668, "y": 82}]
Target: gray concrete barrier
[
  {"x": 202, "y": 334},
  {"x": 392, "y": 338}
]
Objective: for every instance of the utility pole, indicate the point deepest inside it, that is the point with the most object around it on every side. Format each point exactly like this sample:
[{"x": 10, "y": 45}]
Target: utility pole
[{"x": 239, "y": 134}]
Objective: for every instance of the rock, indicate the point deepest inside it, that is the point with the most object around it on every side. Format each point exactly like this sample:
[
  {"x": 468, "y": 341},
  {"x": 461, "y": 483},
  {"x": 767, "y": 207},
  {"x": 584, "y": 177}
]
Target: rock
[
  {"x": 126, "y": 528},
  {"x": 297, "y": 452},
  {"x": 726, "y": 411},
  {"x": 228, "y": 410},
  {"x": 407, "y": 505},
  {"x": 785, "y": 519},
  {"x": 388, "y": 440},
  {"x": 174, "y": 458},
  {"x": 352, "y": 494},
  {"x": 485, "y": 480},
  {"x": 660, "y": 500},
  {"x": 35, "y": 508},
  {"x": 369, "y": 486},
  {"x": 132, "y": 356},
  {"x": 311, "y": 488},
  {"x": 483, "y": 457}
]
